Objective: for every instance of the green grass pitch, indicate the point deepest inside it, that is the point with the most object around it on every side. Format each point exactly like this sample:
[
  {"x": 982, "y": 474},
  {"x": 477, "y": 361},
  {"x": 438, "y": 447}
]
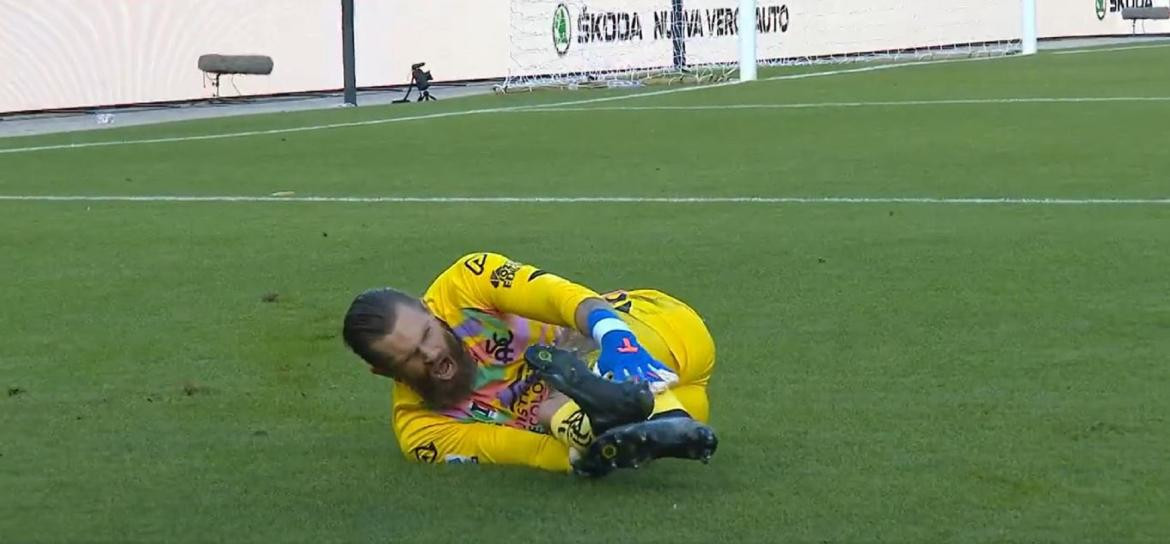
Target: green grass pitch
[{"x": 887, "y": 372}]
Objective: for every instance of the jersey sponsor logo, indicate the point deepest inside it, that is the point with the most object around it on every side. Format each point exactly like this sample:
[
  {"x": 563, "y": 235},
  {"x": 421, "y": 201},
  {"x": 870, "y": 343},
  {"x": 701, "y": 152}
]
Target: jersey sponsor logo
[
  {"x": 426, "y": 454},
  {"x": 528, "y": 393},
  {"x": 476, "y": 264},
  {"x": 500, "y": 346},
  {"x": 505, "y": 274},
  {"x": 453, "y": 459}
]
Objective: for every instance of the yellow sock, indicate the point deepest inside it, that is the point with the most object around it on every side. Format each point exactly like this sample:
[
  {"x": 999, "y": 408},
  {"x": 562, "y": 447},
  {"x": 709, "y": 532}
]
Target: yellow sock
[
  {"x": 666, "y": 401},
  {"x": 571, "y": 426}
]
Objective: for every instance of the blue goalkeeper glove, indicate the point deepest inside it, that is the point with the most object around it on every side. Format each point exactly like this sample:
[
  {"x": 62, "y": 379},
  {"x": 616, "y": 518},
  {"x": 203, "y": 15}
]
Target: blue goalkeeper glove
[{"x": 622, "y": 358}]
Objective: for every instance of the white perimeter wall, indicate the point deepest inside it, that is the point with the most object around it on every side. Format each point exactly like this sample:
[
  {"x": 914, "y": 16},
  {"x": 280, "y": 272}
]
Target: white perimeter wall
[
  {"x": 81, "y": 53},
  {"x": 69, "y": 53}
]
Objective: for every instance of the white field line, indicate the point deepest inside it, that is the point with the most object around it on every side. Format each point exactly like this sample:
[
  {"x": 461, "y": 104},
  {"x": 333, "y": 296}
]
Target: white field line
[
  {"x": 598, "y": 200},
  {"x": 892, "y": 103},
  {"x": 1107, "y": 49},
  {"x": 307, "y": 128},
  {"x": 225, "y": 135}
]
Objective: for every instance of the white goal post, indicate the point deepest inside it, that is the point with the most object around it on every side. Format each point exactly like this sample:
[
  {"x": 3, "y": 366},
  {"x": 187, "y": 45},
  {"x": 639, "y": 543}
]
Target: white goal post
[{"x": 607, "y": 43}]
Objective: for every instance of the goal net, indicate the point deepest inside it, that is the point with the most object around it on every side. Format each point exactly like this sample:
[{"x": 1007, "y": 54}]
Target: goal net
[{"x": 608, "y": 43}]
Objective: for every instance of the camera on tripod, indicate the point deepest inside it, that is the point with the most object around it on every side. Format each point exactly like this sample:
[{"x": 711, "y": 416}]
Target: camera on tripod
[{"x": 420, "y": 79}]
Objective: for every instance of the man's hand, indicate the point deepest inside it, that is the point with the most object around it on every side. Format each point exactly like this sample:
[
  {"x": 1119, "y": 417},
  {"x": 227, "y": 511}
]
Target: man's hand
[{"x": 622, "y": 358}]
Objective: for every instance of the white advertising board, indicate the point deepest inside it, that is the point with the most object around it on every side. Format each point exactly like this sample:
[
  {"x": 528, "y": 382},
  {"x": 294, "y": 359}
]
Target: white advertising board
[
  {"x": 85, "y": 53},
  {"x": 1066, "y": 18},
  {"x": 77, "y": 53}
]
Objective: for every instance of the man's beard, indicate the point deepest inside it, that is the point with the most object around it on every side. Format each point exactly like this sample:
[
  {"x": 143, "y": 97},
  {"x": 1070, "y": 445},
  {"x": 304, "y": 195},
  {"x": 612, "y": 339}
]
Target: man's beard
[{"x": 438, "y": 393}]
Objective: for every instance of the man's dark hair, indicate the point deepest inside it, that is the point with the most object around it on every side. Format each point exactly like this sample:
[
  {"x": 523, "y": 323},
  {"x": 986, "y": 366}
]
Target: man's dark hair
[{"x": 371, "y": 316}]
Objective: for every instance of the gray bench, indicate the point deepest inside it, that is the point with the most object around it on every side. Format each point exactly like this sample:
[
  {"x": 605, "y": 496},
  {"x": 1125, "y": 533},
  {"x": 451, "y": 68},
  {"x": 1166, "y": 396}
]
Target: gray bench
[{"x": 1143, "y": 14}]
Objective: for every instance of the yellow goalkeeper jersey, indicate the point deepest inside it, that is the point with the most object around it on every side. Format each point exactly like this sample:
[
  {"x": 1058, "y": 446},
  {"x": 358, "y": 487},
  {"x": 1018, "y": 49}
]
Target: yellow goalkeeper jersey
[{"x": 497, "y": 309}]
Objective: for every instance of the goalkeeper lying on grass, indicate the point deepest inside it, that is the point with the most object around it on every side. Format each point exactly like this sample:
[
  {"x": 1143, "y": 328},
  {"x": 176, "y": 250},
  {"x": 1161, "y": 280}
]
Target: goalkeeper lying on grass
[{"x": 478, "y": 381}]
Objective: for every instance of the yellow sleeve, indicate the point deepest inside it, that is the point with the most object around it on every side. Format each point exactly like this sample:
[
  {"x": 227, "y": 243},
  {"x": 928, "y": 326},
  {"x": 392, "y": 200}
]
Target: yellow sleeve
[
  {"x": 428, "y": 437},
  {"x": 490, "y": 281}
]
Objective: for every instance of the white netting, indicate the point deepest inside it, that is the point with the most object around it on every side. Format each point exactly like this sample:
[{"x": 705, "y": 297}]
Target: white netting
[
  {"x": 972, "y": 50},
  {"x": 594, "y": 43},
  {"x": 606, "y": 43}
]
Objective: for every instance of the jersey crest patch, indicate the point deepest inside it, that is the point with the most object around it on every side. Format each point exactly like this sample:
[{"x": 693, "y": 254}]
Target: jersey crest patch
[
  {"x": 476, "y": 264},
  {"x": 426, "y": 454}
]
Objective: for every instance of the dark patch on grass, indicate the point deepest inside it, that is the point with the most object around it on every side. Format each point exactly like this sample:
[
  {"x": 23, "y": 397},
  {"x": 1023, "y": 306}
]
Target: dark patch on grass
[
  {"x": 270, "y": 297},
  {"x": 191, "y": 389},
  {"x": 14, "y": 391},
  {"x": 1100, "y": 429}
]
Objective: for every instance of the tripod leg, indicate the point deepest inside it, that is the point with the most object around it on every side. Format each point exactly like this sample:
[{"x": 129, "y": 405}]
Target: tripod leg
[{"x": 406, "y": 97}]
